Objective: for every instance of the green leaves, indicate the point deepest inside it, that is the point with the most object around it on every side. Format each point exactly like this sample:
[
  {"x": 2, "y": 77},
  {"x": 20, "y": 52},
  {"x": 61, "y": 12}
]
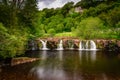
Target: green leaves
[{"x": 90, "y": 28}]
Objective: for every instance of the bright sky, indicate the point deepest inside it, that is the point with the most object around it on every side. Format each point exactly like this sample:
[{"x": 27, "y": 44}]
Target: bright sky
[{"x": 53, "y": 3}]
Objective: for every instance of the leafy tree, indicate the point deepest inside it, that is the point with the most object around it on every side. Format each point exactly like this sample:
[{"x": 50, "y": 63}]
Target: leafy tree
[
  {"x": 51, "y": 31},
  {"x": 69, "y": 23},
  {"x": 28, "y": 14},
  {"x": 65, "y": 9},
  {"x": 5, "y": 15},
  {"x": 114, "y": 17},
  {"x": 60, "y": 28},
  {"x": 89, "y": 27}
]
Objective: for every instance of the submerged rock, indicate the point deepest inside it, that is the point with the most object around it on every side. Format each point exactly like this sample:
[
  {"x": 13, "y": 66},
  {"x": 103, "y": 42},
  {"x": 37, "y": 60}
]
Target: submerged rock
[{"x": 21, "y": 60}]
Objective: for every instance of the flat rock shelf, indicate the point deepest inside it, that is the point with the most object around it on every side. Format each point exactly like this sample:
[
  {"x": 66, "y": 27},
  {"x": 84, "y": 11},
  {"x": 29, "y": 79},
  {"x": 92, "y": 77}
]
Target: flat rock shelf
[{"x": 21, "y": 60}]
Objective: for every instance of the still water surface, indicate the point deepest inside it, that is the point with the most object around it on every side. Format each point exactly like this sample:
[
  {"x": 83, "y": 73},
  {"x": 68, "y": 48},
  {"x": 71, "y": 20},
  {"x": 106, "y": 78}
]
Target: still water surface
[{"x": 66, "y": 65}]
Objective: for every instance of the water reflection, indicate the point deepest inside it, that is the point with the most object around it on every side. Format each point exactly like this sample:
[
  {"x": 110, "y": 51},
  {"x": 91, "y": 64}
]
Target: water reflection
[
  {"x": 53, "y": 66},
  {"x": 72, "y": 65},
  {"x": 104, "y": 77},
  {"x": 49, "y": 69},
  {"x": 66, "y": 65},
  {"x": 93, "y": 56},
  {"x": 60, "y": 55},
  {"x": 44, "y": 55},
  {"x": 87, "y": 56}
]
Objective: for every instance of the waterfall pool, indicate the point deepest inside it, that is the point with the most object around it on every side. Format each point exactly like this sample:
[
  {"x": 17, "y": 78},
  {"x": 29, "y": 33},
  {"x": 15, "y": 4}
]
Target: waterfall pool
[{"x": 66, "y": 65}]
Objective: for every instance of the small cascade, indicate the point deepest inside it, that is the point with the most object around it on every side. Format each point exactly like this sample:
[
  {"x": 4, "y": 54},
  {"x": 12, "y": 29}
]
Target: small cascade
[
  {"x": 90, "y": 45},
  {"x": 71, "y": 48},
  {"x": 81, "y": 47},
  {"x": 44, "y": 47},
  {"x": 60, "y": 45},
  {"x": 33, "y": 46},
  {"x": 87, "y": 45},
  {"x": 70, "y": 44}
]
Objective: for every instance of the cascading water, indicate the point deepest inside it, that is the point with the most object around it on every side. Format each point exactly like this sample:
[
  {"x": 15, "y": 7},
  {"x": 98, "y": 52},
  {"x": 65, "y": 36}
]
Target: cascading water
[
  {"x": 44, "y": 47},
  {"x": 70, "y": 44},
  {"x": 90, "y": 45},
  {"x": 60, "y": 45},
  {"x": 81, "y": 47},
  {"x": 87, "y": 45},
  {"x": 33, "y": 45},
  {"x": 72, "y": 47}
]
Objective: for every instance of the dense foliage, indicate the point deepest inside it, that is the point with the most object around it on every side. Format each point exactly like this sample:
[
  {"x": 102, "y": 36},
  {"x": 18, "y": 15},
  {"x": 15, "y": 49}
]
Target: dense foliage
[
  {"x": 92, "y": 17},
  {"x": 17, "y": 25},
  {"x": 20, "y": 21}
]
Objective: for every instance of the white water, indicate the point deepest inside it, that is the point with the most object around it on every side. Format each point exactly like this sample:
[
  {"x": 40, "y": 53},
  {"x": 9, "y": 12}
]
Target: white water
[
  {"x": 81, "y": 47},
  {"x": 60, "y": 45},
  {"x": 44, "y": 47},
  {"x": 90, "y": 45},
  {"x": 87, "y": 45}
]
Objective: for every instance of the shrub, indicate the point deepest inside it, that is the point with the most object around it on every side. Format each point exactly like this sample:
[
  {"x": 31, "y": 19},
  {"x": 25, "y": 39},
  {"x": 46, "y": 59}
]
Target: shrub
[{"x": 90, "y": 28}]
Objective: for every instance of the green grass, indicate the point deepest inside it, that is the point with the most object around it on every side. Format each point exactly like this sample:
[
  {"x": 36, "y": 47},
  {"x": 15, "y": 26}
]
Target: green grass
[{"x": 65, "y": 34}]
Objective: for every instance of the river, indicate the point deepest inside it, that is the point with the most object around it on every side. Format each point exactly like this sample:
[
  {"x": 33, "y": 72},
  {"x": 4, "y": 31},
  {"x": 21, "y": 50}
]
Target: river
[{"x": 66, "y": 65}]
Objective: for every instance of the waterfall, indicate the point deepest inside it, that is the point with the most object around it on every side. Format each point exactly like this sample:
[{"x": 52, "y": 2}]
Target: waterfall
[
  {"x": 72, "y": 47},
  {"x": 87, "y": 45},
  {"x": 70, "y": 44},
  {"x": 44, "y": 47},
  {"x": 60, "y": 45},
  {"x": 90, "y": 45},
  {"x": 33, "y": 45},
  {"x": 81, "y": 47}
]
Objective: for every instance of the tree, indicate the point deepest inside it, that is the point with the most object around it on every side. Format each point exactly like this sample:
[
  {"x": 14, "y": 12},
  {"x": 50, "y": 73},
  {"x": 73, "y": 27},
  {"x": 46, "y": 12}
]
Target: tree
[
  {"x": 28, "y": 15},
  {"x": 59, "y": 28},
  {"x": 65, "y": 9},
  {"x": 5, "y": 15},
  {"x": 113, "y": 17},
  {"x": 9, "y": 10},
  {"x": 89, "y": 3},
  {"x": 69, "y": 23},
  {"x": 90, "y": 28}
]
